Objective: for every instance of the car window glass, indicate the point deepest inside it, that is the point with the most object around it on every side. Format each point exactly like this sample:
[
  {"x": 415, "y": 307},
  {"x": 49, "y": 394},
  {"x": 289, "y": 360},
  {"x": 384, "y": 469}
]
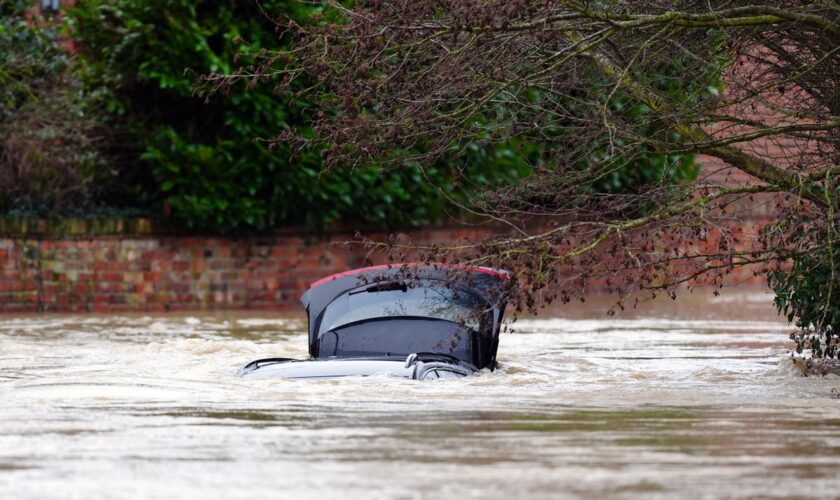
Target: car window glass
[{"x": 419, "y": 301}]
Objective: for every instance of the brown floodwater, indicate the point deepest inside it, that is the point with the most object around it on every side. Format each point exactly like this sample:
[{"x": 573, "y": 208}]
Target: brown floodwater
[{"x": 694, "y": 399}]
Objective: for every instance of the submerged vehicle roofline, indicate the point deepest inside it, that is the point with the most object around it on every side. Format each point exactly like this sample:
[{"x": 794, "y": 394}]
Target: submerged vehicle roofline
[
  {"x": 417, "y": 366},
  {"x": 443, "y": 319}
]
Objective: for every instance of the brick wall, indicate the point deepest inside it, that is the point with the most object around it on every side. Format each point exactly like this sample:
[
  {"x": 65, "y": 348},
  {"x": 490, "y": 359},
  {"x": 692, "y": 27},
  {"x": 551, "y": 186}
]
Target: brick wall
[
  {"x": 147, "y": 273},
  {"x": 40, "y": 271}
]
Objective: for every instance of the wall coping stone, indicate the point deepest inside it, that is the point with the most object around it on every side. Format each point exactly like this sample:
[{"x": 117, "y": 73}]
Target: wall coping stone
[{"x": 143, "y": 227}]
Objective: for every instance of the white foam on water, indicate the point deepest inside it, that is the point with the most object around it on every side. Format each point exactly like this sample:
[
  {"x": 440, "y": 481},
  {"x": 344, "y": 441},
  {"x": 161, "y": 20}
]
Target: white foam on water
[{"x": 650, "y": 406}]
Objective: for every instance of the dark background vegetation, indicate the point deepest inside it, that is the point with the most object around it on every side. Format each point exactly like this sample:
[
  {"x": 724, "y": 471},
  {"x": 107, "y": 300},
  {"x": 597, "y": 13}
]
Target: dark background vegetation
[{"x": 118, "y": 128}]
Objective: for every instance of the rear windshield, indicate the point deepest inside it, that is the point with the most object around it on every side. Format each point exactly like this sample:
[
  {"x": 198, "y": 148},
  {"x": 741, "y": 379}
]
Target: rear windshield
[{"x": 414, "y": 300}]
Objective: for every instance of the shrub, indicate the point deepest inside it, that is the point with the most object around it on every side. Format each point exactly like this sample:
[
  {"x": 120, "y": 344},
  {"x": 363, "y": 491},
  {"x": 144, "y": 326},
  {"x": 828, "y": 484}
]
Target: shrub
[
  {"x": 205, "y": 157},
  {"x": 807, "y": 293},
  {"x": 50, "y": 132}
]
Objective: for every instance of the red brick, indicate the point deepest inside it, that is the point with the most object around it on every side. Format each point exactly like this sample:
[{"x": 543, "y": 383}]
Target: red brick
[
  {"x": 181, "y": 266},
  {"x": 109, "y": 277},
  {"x": 10, "y": 276},
  {"x": 152, "y": 277}
]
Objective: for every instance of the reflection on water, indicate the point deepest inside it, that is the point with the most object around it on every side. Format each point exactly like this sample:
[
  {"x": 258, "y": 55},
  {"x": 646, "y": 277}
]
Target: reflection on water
[{"x": 697, "y": 405}]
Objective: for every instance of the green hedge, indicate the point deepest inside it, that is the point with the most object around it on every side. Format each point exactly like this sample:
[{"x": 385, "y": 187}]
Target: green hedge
[
  {"x": 129, "y": 136},
  {"x": 205, "y": 160}
]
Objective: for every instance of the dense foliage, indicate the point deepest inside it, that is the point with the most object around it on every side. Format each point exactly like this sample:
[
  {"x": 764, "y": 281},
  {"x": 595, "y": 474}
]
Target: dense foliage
[
  {"x": 51, "y": 133},
  {"x": 204, "y": 158},
  {"x": 807, "y": 293},
  {"x": 119, "y": 126}
]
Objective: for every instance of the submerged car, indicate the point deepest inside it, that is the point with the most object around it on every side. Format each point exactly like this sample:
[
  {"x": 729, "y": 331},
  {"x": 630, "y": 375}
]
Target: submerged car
[{"x": 417, "y": 321}]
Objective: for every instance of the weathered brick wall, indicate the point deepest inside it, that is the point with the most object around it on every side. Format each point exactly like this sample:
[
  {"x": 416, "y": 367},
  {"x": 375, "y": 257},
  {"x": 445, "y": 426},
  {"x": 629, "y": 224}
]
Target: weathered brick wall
[
  {"x": 40, "y": 271},
  {"x": 145, "y": 273}
]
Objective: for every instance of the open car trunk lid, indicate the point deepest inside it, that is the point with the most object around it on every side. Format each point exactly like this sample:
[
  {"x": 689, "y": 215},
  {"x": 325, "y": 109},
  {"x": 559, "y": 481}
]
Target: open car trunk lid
[{"x": 396, "y": 310}]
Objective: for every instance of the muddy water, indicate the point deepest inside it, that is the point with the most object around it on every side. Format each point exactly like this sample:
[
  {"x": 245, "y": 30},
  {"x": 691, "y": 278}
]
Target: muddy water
[{"x": 692, "y": 400}]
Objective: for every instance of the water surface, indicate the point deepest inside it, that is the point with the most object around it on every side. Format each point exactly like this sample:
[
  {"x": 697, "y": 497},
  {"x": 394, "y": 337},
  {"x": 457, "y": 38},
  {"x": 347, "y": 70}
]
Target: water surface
[{"x": 693, "y": 399}]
